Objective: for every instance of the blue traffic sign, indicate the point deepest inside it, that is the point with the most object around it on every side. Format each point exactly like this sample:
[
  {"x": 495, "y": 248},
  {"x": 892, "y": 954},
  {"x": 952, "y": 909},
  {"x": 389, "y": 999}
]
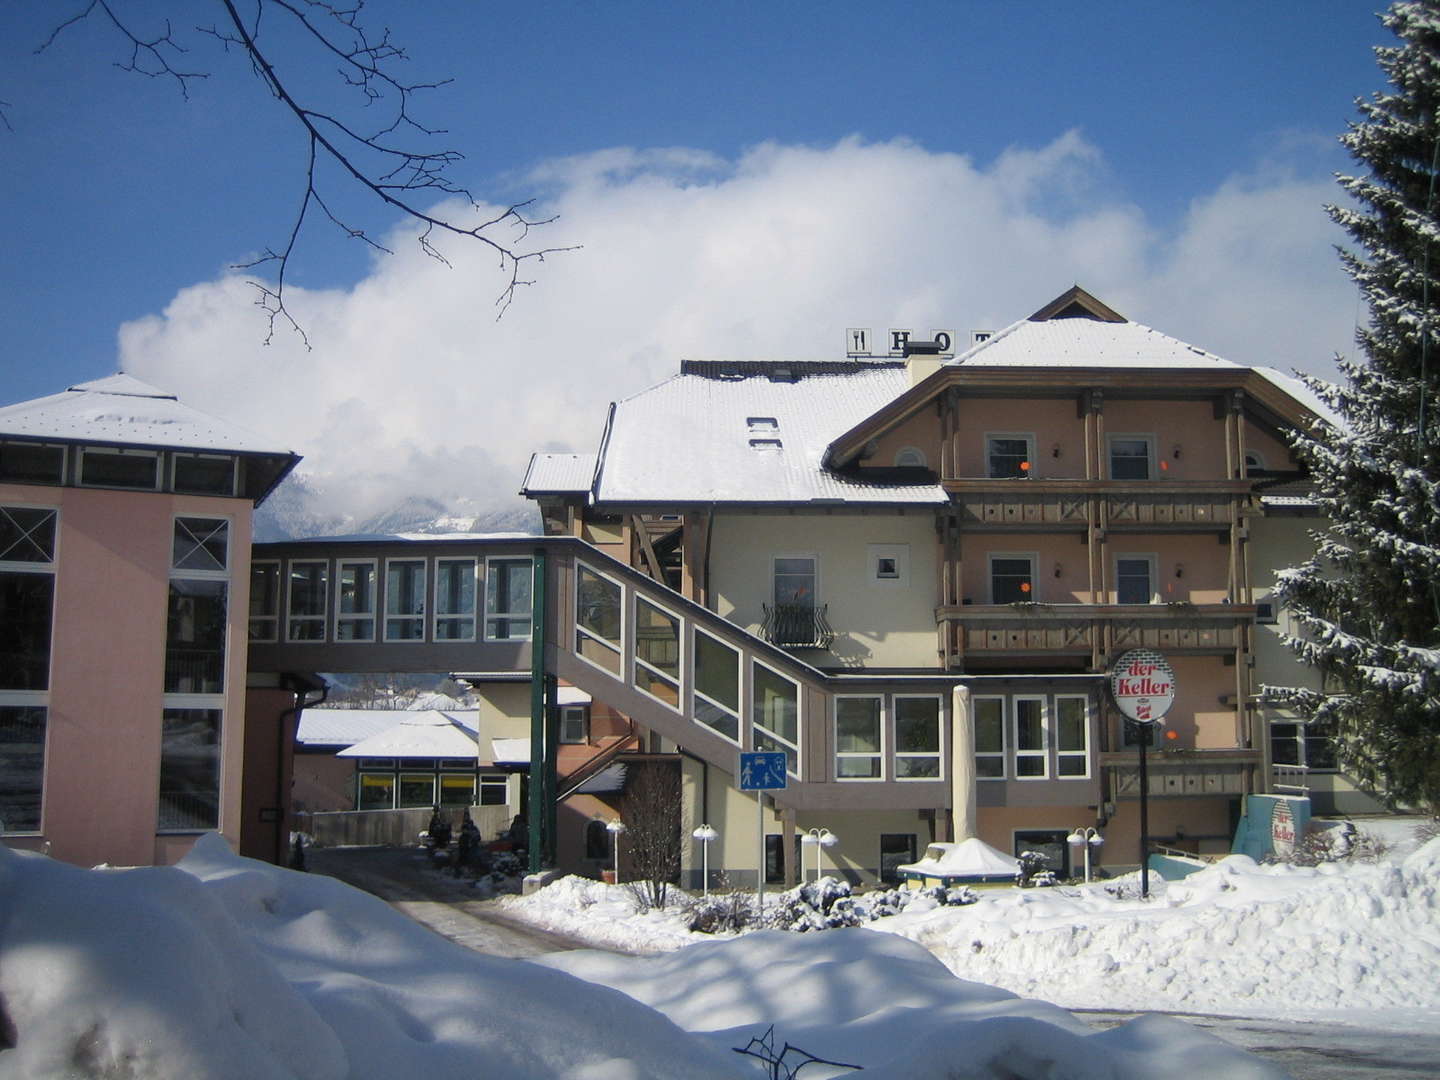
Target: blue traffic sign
[{"x": 762, "y": 770}]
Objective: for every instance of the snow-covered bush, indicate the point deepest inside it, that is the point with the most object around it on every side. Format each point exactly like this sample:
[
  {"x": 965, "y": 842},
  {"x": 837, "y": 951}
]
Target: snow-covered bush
[
  {"x": 1035, "y": 871},
  {"x": 830, "y": 903},
  {"x": 722, "y": 913}
]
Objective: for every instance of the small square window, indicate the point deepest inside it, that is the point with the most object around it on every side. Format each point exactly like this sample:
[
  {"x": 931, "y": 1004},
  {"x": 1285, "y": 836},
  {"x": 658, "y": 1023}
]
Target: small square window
[
  {"x": 1130, "y": 457},
  {"x": 1009, "y": 455},
  {"x": 886, "y": 568}
]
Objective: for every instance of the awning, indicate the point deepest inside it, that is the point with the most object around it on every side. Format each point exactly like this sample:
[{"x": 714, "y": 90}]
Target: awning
[
  {"x": 970, "y": 860},
  {"x": 510, "y": 752}
]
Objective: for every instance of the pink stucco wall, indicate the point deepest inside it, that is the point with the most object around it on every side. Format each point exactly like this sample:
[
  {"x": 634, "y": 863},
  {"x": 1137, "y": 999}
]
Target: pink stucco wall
[{"x": 107, "y": 670}]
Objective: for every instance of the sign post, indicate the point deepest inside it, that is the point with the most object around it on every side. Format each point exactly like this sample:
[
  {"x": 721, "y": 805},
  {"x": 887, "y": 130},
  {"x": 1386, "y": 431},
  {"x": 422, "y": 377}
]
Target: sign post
[
  {"x": 761, "y": 771},
  {"x": 1143, "y": 686}
]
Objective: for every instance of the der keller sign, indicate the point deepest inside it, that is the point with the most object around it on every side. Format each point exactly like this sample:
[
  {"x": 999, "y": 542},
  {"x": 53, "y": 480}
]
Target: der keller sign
[{"x": 1143, "y": 685}]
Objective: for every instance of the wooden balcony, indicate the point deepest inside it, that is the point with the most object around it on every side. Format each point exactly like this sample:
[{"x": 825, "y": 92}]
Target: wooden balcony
[
  {"x": 1079, "y": 629},
  {"x": 1178, "y": 773},
  {"x": 1062, "y": 505}
]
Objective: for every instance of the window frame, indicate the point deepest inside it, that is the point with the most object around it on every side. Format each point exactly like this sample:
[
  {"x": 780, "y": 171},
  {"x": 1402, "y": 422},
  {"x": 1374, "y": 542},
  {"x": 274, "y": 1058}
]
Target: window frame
[
  {"x": 342, "y": 616},
  {"x": 939, "y": 752},
  {"x": 511, "y": 615},
  {"x": 878, "y": 756},
  {"x": 1032, "y": 557},
  {"x": 38, "y": 701},
  {"x": 274, "y": 617},
  {"x": 568, "y": 714},
  {"x": 322, "y": 619},
  {"x": 738, "y": 712},
  {"x": 157, "y": 482},
  {"x": 923, "y": 461},
  {"x": 437, "y": 616},
  {"x": 616, "y": 647},
  {"x": 64, "y": 449},
  {"x": 1152, "y": 561},
  {"x": 882, "y": 861},
  {"x": 678, "y": 679},
  {"x": 757, "y": 729},
  {"x": 176, "y": 456},
  {"x": 1003, "y": 754},
  {"x": 208, "y": 703},
  {"x": 1042, "y": 754},
  {"x": 415, "y": 619},
  {"x": 221, "y": 576},
  {"x": 1028, "y": 437},
  {"x": 1083, "y": 753},
  {"x": 814, "y": 560},
  {"x": 1151, "y": 469}
]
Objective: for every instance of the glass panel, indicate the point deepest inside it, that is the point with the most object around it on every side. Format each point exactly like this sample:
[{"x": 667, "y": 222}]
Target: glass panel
[
  {"x": 494, "y": 789},
  {"x": 1132, "y": 581},
  {"x": 405, "y": 602},
  {"x": 457, "y": 790},
  {"x": 989, "y": 725},
  {"x": 455, "y": 600},
  {"x": 657, "y": 686},
  {"x": 574, "y": 724},
  {"x": 722, "y": 720},
  {"x": 1070, "y": 723},
  {"x": 22, "y": 767},
  {"x": 309, "y": 584},
  {"x": 1005, "y": 456},
  {"x": 27, "y": 535},
  {"x": 1071, "y": 765},
  {"x": 1284, "y": 744},
  {"x": 1011, "y": 580},
  {"x": 31, "y": 463},
  {"x": 1130, "y": 459},
  {"x": 416, "y": 789},
  {"x": 377, "y": 791},
  {"x": 990, "y": 768},
  {"x": 190, "y": 769},
  {"x": 857, "y": 725},
  {"x": 717, "y": 671},
  {"x": 26, "y": 604},
  {"x": 776, "y": 704},
  {"x": 195, "y": 637},
  {"x": 657, "y": 638},
  {"x": 795, "y": 581},
  {"x": 204, "y": 474},
  {"x": 896, "y": 850},
  {"x": 917, "y": 725},
  {"x": 598, "y": 606},
  {"x": 507, "y": 599},
  {"x": 1029, "y": 724},
  {"x": 356, "y": 587},
  {"x": 200, "y": 544},
  {"x": 119, "y": 468},
  {"x": 1051, "y": 844},
  {"x": 264, "y": 601},
  {"x": 1319, "y": 746},
  {"x": 858, "y": 767}
]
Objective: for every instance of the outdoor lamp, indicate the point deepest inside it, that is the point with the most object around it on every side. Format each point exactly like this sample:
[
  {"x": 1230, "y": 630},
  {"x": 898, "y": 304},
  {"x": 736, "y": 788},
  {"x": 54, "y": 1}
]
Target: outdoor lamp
[
  {"x": 1086, "y": 837},
  {"x": 615, "y": 828},
  {"x": 818, "y": 838},
  {"x": 705, "y": 833}
]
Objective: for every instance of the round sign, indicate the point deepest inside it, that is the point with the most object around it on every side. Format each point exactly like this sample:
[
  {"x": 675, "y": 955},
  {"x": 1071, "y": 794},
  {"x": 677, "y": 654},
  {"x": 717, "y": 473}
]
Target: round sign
[{"x": 1143, "y": 685}]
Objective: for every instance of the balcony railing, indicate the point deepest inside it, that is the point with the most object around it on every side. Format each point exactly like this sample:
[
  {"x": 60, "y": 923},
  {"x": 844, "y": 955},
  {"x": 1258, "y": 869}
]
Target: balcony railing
[
  {"x": 796, "y": 626},
  {"x": 1067, "y": 504},
  {"x": 1077, "y": 628}
]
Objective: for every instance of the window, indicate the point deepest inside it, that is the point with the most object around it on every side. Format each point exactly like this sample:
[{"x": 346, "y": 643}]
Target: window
[
  {"x": 1130, "y": 457},
  {"x": 1253, "y": 462},
  {"x": 657, "y": 652},
  {"x": 417, "y": 789},
  {"x": 1309, "y": 744},
  {"x": 597, "y": 619},
  {"x": 795, "y": 581},
  {"x": 989, "y": 737},
  {"x": 775, "y": 718},
  {"x": 889, "y": 564},
  {"x": 197, "y": 622},
  {"x": 507, "y": 599},
  {"x": 717, "y": 686},
  {"x": 32, "y": 463},
  {"x": 455, "y": 599},
  {"x": 309, "y": 597},
  {"x": 1050, "y": 843},
  {"x": 376, "y": 791},
  {"x": 105, "y": 466},
  {"x": 494, "y": 789},
  {"x": 1135, "y": 579},
  {"x": 597, "y": 841},
  {"x": 264, "y": 601},
  {"x": 910, "y": 457},
  {"x": 355, "y": 601},
  {"x": 405, "y": 600},
  {"x": 27, "y": 596},
  {"x": 190, "y": 770},
  {"x": 1009, "y": 455},
  {"x": 457, "y": 790},
  {"x": 858, "y": 738},
  {"x": 22, "y": 749},
  {"x": 775, "y": 858},
  {"x": 917, "y": 738},
  {"x": 1030, "y": 744},
  {"x": 896, "y": 850},
  {"x": 1012, "y": 579},
  {"x": 574, "y": 723},
  {"x": 1072, "y": 735},
  {"x": 203, "y": 474}
]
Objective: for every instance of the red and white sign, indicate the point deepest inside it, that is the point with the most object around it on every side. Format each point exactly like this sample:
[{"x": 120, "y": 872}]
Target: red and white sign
[
  {"x": 1282, "y": 828},
  {"x": 1143, "y": 685}
]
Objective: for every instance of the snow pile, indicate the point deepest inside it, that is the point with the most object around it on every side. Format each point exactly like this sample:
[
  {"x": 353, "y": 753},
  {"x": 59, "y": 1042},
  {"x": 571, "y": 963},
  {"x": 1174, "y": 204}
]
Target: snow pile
[
  {"x": 1335, "y": 941},
  {"x": 884, "y": 1004},
  {"x": 226, "y": 968}
]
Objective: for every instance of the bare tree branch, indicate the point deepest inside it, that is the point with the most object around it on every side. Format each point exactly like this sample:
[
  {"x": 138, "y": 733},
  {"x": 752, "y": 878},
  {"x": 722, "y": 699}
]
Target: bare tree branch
[{"x": 380, "y": 159}]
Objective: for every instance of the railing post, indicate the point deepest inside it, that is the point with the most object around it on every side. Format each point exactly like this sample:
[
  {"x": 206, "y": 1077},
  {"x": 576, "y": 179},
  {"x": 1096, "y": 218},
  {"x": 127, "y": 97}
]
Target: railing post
[{"x": 536, "y": 810}]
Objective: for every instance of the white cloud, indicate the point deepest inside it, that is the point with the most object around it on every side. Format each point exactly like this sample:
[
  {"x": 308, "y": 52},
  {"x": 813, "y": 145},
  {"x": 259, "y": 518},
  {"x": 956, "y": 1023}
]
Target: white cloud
[{"x": 413, "y": 388}]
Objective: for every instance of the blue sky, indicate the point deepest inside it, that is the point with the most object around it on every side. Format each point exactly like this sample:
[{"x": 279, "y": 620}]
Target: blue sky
[{"x": 743, "y": 177}]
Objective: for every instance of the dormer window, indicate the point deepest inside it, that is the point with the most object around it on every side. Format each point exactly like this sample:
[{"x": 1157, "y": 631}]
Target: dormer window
[
  {"x": 761, "y": 424},
  {"x": 765, "y": 445}
]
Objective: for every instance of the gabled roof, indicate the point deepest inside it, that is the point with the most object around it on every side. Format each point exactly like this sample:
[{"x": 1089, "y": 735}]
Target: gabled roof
[
  {"x": 342, "y": 727},
  {"x": 749, "y": 434},
  {"x": 123, "y": 411},
  {"x": 427, "y": 734},
  {"x": 559, "y": 474},
  {"x": 1076, "y": 303}
]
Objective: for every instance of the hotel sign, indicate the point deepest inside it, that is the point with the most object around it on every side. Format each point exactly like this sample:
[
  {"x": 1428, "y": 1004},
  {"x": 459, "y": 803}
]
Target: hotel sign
[{"x": 1143, "y": 685}]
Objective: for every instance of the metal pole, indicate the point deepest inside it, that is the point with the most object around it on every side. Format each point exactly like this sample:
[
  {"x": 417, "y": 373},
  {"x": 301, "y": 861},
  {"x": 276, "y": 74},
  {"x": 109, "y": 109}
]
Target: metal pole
[
  {"x": 760, "y": 866},
  {"x": 705, "y": 868},
  {"x": 1144, "y": 742},
  {"x": 535, "y": 805}
]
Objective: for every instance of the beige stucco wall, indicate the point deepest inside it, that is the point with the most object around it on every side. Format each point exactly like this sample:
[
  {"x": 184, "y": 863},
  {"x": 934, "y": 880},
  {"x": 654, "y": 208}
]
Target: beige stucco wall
[
  {"x": 1052, "y": 422},
  {"x": 107, "y": 669},
  {"x": 877, "y": 623}
]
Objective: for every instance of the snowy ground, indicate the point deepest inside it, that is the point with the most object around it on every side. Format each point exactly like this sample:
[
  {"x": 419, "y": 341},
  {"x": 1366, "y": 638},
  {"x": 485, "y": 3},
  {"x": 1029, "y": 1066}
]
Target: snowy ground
[
  {"x": 1352, "y": 942},
  {"x": 227, "y": 968}
]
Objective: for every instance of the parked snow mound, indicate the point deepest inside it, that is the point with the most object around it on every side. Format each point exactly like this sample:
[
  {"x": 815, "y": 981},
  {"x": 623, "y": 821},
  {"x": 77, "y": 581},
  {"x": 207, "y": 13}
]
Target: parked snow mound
[
  {"x": 228, "y": 968},
  {"x": 887, "y": 1005},
  {"x": 1349, "y": 942}
]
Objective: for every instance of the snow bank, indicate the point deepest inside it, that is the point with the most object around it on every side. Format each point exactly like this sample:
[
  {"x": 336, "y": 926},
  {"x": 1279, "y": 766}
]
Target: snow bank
[
  {"x": 1347, "y": 942},
  {"x": 889, "y": 1006}
]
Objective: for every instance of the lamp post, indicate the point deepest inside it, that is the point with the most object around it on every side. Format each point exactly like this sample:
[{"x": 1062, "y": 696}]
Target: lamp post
[
  {"x": 1087, "y": 837},
  {"x": 615, "y": 828},
  {"x": 705, "y": 834},
  {"x": 817, "y": 838}
]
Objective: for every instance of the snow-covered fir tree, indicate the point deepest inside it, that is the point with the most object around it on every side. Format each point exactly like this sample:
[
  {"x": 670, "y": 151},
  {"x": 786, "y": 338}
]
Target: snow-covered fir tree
[{"x": 1368, "y": 602}]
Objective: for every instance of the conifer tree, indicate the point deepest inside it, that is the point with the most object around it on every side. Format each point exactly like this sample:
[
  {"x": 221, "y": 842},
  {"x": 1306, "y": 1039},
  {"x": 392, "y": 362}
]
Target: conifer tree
[{"x": 1368, "y": 602}]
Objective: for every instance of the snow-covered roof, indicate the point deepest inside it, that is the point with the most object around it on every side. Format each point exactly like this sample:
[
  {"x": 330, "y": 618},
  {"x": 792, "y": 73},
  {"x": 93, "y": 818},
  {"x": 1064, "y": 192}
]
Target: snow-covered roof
[
  {"x": 1086, "y": 343},
  {"x": 342, "y": 727},
  {"x": 971, "y": 858},
  {"x": 749, "y": 437},
  {"x": 427, "y": 734},
  {"x": 608, "y": 780},
  {"x": 510, "y": 751},
  {"x": 559, "y": 474},
  {"x": 125, "y": 411}
]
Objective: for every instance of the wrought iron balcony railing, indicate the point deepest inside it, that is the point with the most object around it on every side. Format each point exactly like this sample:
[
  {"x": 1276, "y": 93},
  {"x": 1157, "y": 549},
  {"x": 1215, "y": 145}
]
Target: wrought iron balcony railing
[{"x": 796, "y": 626}]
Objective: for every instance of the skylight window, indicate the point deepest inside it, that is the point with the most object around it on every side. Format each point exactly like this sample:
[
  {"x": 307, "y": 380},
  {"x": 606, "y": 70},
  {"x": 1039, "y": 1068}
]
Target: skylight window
[
  {"x": 765, "y": 445},
  {"x": 762, "y": 423}
]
